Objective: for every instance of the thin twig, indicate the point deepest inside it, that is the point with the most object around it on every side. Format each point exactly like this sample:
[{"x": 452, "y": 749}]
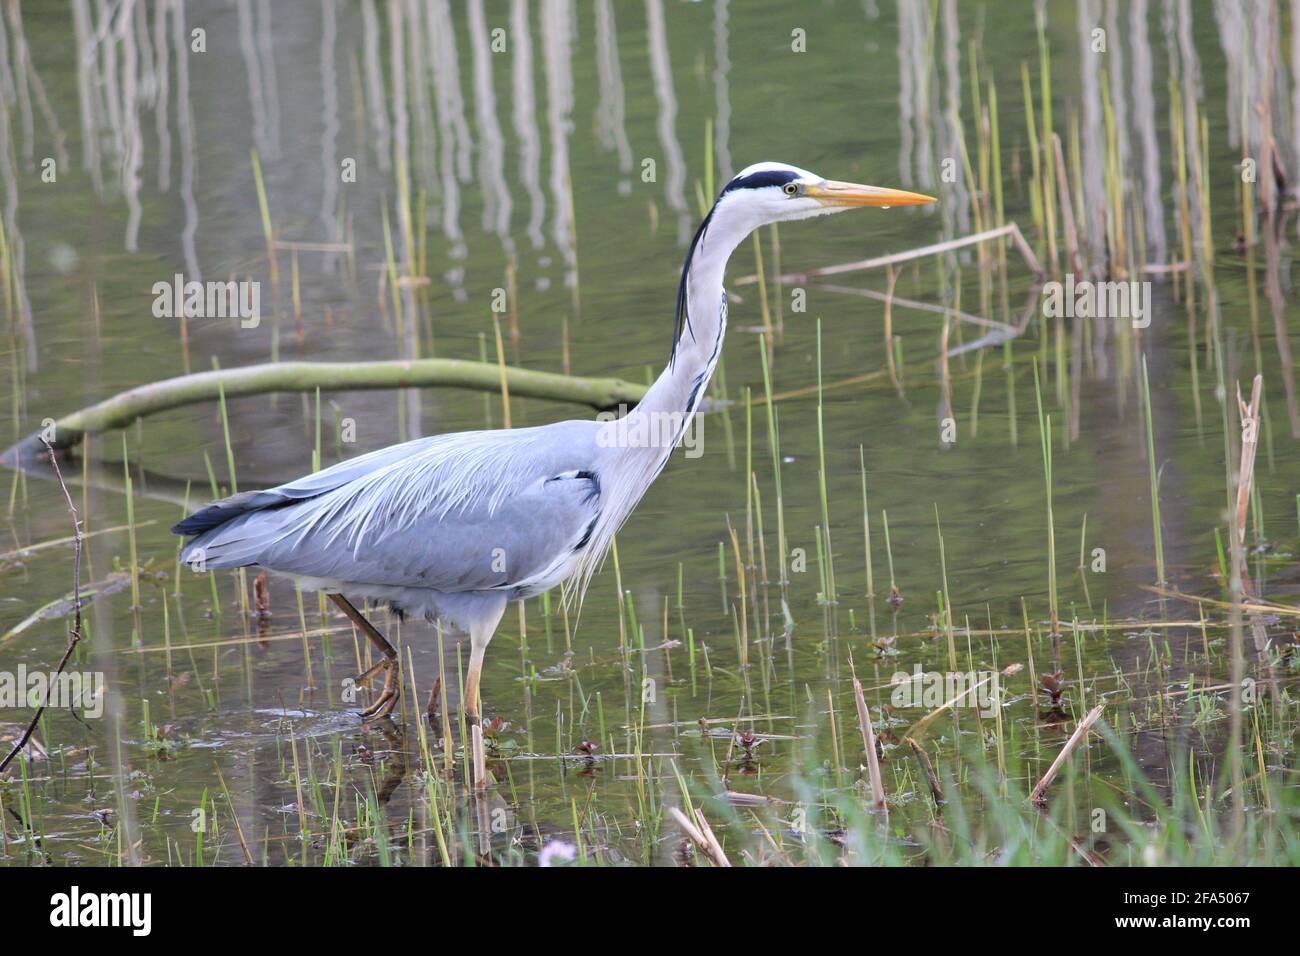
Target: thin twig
[{"x": 74, "y": 635}]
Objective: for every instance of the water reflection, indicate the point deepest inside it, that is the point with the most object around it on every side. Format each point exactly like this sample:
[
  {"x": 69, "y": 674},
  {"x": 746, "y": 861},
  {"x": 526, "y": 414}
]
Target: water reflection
[
  {"x": 1145, "y": 125},
  {"x": 662, "y": 71},
  {"x": 376, "y": 104},
  {"x": 497, "y": 206},
  {"x": 259, "y": 64},
  {"x": 722, "y": 91},
  {"x": 453, "y": 134},
  {"x": 524, "y": 113},
  {"x": 13, "y": 89},
  {"x": 610, "y": 125},
  {"x": 330, "y": 174},
  {"x": 1093, "y": 209},
  {"x": 557, "y": 34}
]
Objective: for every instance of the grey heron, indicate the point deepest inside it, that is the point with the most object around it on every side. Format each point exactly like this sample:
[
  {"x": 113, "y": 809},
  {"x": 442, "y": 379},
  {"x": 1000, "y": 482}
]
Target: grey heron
[{"x": 452, "y": 527}]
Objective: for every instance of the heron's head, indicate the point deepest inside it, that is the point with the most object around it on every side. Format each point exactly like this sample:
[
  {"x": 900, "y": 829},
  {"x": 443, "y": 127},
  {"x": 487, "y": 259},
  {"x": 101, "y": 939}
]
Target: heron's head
[
  {"x": 761, "y": 194},
  {"x": 773, "y": 192}
]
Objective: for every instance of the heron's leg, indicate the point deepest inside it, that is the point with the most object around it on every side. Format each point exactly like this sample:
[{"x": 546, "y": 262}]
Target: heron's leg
[
  {"x": 480, "y": 635},
  {"x": 388, "y": 663},
  {"x": 477, "y": 648}
]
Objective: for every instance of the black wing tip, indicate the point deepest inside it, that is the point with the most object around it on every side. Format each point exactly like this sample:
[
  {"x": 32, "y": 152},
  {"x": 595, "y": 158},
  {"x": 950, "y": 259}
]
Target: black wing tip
[
  {"x": 202, "y": 520},
  {"x": 214, "y": 515},
  {"x": 219, "y": 512}
]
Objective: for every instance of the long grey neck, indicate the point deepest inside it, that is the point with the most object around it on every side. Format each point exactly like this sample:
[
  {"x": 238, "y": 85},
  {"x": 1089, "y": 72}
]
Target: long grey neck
[
  {"x": 682, "y": 384},
  {"x": 634, "y": 449}
]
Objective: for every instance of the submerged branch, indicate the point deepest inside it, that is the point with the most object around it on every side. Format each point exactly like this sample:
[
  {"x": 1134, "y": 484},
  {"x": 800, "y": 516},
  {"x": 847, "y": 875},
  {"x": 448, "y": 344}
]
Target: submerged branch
[
  {"x": 1010, "y": 230},
  {"x": 123, "y": 409}
]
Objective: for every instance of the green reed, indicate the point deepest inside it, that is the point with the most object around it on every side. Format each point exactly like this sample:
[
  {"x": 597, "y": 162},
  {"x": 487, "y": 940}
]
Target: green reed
[{"x": 1155, "y": 484}]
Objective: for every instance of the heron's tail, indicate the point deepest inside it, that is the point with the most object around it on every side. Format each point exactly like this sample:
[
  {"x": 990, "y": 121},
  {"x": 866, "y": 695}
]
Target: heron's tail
[
  {"x": 219, "y": 512},
  {"x": 235, "y": 531},
  {"x": 227, "y": 509},
  {"x": 232, "y": 532}
]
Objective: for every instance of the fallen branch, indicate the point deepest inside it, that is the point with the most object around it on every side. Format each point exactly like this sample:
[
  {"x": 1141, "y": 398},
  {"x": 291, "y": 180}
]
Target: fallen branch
[
  {"x": 1038, "y": 796},
  {"x": 123, "y": 409},
  {"x": 74, "y": 635}
]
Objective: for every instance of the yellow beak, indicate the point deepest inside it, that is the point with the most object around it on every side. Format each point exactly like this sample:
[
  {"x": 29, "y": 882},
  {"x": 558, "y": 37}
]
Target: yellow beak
[{"x": 832, "y": 193}]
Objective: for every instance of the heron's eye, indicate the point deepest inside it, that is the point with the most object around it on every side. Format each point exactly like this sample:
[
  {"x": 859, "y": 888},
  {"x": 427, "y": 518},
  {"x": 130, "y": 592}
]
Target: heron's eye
[{"x": 791, "y": 189}]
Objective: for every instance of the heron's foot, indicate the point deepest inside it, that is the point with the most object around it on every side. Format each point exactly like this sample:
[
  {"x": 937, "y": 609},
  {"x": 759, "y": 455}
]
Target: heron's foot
[
  {"x": 367, "y": 675},
  {"x": 388, "y": 695}
]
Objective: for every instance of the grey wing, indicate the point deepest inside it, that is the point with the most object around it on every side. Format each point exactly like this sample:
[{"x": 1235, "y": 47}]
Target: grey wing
[
  {"x": 309, "y": 486},
  {"x": 460, "y": 512}
]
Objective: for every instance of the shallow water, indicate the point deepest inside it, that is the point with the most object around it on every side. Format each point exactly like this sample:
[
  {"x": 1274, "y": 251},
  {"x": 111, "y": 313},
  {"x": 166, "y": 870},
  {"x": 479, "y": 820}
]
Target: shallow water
[{"x": 258, "y": 715}]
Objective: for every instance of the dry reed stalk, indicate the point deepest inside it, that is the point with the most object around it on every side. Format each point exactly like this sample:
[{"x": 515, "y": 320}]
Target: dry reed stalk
[
  {"x": 1246, "y": 473},
  {"x": 1067, "y": 209},
  {"x": 701, "y": 834},
  {"x": 923, "y": 759},
  {"x": 1038, "y": 795},
  {"x": 869, "y": 741},
  {"x": 969, "y": 693},
  {"x": 891, "y": 277}
]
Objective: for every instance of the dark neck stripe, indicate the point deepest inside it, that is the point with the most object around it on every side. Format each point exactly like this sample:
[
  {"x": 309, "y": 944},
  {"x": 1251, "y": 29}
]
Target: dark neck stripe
[
  {"x": 683, "y": 318},
  {"x": 766, "y": 177}
]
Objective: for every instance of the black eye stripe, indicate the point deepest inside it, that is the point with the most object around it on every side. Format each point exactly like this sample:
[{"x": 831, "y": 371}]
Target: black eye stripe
[{"x": 767, "y": 177}]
